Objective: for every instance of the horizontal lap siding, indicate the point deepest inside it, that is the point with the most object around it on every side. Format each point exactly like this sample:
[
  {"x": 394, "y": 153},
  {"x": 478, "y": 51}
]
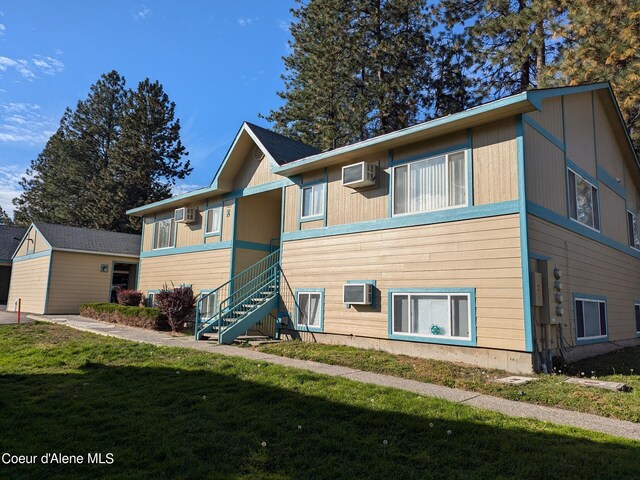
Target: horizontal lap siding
[
  {"x": 590, "y": 267},
  {"x": 76, "y": 279},
  {"x": 480, "y": 253},
  {"x": 202, "y": 270},
  {"x": 29, "y": 283}
]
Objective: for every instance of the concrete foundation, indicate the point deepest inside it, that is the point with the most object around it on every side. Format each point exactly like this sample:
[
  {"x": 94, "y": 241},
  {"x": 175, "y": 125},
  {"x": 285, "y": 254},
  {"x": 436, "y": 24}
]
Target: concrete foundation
[{"x": 585, "y": 351}]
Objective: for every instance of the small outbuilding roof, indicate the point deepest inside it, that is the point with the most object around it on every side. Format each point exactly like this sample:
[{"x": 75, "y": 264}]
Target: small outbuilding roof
[
  {"x": 63, "y": 237},
  {"x": 8, "y": 242}
]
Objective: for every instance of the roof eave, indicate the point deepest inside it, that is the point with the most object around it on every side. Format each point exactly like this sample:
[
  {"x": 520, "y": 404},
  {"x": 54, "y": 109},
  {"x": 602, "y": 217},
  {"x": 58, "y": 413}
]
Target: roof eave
[{"x": 163, "y": 204}]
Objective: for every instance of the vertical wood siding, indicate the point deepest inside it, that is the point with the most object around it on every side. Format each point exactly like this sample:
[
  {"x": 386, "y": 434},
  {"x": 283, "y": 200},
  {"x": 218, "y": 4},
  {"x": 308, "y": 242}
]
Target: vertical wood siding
[
  {"x": 254, "y": 172},
  {"x": 578, "y": 124},
  {"x": 40, "y": 243},
  {"x": 259, "y": 217}
]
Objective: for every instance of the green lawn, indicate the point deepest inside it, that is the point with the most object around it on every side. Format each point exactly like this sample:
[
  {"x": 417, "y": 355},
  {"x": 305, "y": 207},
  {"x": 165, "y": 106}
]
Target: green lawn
[
  {"x": 176, "y": 413},
  {"x": 620, "y": 366}
]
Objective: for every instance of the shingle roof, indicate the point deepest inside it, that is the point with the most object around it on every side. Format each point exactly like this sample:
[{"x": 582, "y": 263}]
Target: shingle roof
[
  {"x": 7, "y": 243},
  {"x": 89, "y": 240},
  {"x": 281, "y": 148}
]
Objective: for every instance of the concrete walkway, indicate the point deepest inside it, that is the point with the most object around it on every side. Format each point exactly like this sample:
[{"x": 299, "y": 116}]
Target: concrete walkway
[{"x": 511, "y": 408}]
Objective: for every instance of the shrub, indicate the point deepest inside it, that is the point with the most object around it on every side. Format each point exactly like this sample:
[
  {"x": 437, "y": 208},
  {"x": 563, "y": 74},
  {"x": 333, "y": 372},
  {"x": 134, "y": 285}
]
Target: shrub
[
  {"x": 142, "y": 317},
  {"x": 177, "y": 304},
  {"x": 129, "y": 298}
]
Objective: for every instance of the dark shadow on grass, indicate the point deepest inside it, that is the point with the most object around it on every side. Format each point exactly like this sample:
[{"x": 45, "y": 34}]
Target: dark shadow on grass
[{"x": 158, "y": 425}]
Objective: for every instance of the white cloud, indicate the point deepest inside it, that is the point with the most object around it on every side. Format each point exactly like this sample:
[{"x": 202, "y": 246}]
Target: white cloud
[
  {"x": 143, "y": 13},
  {"x": 181, "y": 188},
  {"x": 29, "y": 69},
  {"x": 10, "y": 176},
  {"x": 48, "y": 65},
  {"x": 246, "y": 21},
  {"x": 2, "y": 29},
  {"x": 23, "y": 123}
]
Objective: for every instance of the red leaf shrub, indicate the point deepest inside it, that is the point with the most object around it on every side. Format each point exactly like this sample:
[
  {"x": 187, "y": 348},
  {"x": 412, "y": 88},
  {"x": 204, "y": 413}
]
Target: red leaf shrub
[
  {"x": 129, "y": 298},
  {"x": 177, "y": 304}
]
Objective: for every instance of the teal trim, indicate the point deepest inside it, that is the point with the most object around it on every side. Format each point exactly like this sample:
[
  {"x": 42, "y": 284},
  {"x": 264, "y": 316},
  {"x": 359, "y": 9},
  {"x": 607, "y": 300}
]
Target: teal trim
[
  {"x": 537, "y": 256},
  {"x": 46, "y": 289},
  {"x": 523, "y": 98},
  {"x": 441, "y": 216},
  {"x": 264, "y": 187},
  {"x": 471, "y": 342},
  {"x": 263, "y": 247},
  {"x": 611, "y": 182},
  {"x": 538, "y": 95},
  {"x": 469, "y": 160},
  {"x": 146, "y": 297},
  {"x": 188, "y": 249},
  {"x": 22, "y": 258},
  {"x": 588, "y": 296},
  {"x": 205, "y": 225},
  {"x": 390, "y": 180},
  {"x": 564, "y": 156},
  {"x": 306, "y": 328},
  {"x": 542, "y": 131},
  {"x": 26, "y": 235},
  {"x": 283, "y": 197},
  {"x": 524, "y": 236},
  {"x": 232, "y": 259},
  {"x": 431, "y": 153},
  {"x": 373, "y": 294},
  {"x": 583, "y": 173},
  {"x": 323, "y": 217},
  {"x": 170, "y": 200},
  {"x": 562, "y": 221}
]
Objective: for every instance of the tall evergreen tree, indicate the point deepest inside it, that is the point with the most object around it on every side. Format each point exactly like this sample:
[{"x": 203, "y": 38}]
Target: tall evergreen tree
[
  {"x": 358, "y": 68},
  {"x": 84, "y": 176},
  {"x": 5, "y": 219},
  {"x": 602, "y": 45}
]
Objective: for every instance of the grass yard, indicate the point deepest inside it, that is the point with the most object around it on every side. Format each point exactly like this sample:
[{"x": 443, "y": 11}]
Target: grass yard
[
  {"x": 620, "y": 366},
  {"x": 176, "y": 413}
]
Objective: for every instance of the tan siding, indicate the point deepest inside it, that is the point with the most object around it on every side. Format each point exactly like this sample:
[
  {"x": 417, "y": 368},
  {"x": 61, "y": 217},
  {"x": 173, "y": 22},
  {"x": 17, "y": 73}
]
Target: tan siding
[
  {"x": 550, "y": 118},
  {"x": 253, "y": 173},
  {"x": 610, "y": 152},
  {"x": 203, "y": 270},
  {"x": 147, "y": 227},
  {"x": 313, "y": 176},
  {"x": 495, "y": 166},
  {"x": 545, "y": 172},
  {"x": 578, "y": 121},
  {"x": 291, "y": 208},
  {"x": 347, "y": 205},
  {"x": 259, "y": 217},
  {"x": 420, "y": 148},
  {"x": 245, "y": 258},
  {"x": 227, "y": 223},
  {"x": 613, "y": 215},
  {"x": 40, "y": 244},
  {"x": 590, "y": 268},
  {"x": 76, "y": 278},
  {"x": 312, "y": 224},
  {"x": 480, "y": 253},
  {"x": 29, "y": 283}
]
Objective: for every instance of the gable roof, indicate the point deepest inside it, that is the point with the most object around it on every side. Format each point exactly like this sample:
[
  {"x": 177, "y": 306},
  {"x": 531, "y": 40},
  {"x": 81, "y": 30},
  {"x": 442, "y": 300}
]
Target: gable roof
[
  {"x": 282, "y": 149},
  {"x": 8, "y": 242},
  {"x": 62, "y": 237}
]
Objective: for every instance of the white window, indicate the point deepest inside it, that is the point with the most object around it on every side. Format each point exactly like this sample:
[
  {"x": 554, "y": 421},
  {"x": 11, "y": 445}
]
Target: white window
[
  {"x": 164, "y": 234},
  {"x": 213, "y": 220},
  {"x": 313, "y": 201},
  {"x": 637, "y": 310},
  {"x": 151, "y": 300},
  {"x": 634, "y": 233},
  {"x": 432, "y": 315},
  {"x": 432, "y": 184},
  {"x": 207, "y": 305},
  {"x": 583, "y": 201},
  {"x": 309, "y": 309},
  {"x": 591, "y": 318}
]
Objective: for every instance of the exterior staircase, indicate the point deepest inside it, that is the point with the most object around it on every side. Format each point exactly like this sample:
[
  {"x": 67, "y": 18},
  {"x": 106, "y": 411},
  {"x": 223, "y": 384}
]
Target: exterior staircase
[{"x": 236, "y": 306}]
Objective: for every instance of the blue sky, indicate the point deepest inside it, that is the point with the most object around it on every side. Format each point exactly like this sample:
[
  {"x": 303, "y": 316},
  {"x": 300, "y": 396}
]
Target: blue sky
[{"x": 219, "y": 61}]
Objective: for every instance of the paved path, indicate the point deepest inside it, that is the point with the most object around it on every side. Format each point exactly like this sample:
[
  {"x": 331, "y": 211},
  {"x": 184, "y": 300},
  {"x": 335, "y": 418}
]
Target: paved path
[
  {"x": 587, "y": 421},
  {"x": 8, "y": 318}
]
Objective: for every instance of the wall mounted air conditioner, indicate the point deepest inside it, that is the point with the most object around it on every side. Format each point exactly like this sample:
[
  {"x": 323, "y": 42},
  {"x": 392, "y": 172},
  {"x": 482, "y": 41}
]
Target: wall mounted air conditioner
[
  {"x": 184, "y": 215},
  {"x": 357, "y": 293},
  {"x": 358, "y": 175}
]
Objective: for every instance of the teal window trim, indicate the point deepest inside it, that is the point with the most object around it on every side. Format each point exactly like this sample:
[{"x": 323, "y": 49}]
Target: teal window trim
[
  {"x": 312, "y": 218},
  {"x": 583, "y": 173},
  {"x": 43, "y": 253},
  {"x": 470, "y": 292},
  {"x": 154, "y": 232},
  {"x": 146, "y": 297},
  {"x": 296, "y": 308},
  {"x": 205, "y": 220},
  {"x": 418, "y": 219},
  {"x": 469, "y": 159},
  {"x": 462, "y": 148},
  {"x": 430, "y": 154},
  {"x": 590, "y": 298},
  {"x": 594, "y": 183}
]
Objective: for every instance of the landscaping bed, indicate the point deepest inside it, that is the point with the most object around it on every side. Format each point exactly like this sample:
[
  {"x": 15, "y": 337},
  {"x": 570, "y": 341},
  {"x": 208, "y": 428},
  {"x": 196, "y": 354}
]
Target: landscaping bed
[
  {"x": 142, "y": 317},
  {"x": 621, "y": 366},
  {"x": 176, "y": 413}
]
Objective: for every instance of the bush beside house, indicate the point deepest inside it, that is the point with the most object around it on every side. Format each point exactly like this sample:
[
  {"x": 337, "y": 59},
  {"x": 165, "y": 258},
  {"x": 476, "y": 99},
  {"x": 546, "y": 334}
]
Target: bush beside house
[{"x": 142, "y": 317}]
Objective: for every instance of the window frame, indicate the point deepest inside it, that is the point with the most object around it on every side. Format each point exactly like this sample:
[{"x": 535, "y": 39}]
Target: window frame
[
  {"x": 307, "y": 327},
  {"x": 408, "y": 164},
  {"x": 470, "y": 293},
  {"x": 636, "y": 305},
  {"x": 597, "y": 188},
  {"x": 155, "y": 232},
  {"x": 218, "y": 230},
  {"x": 600, "y": 300},
  {"x": 630, "y": 233},
  {"x": 314, "y": 216},
  {"x": 150, "y": 298},
  {"x": 213, "y": 297}
]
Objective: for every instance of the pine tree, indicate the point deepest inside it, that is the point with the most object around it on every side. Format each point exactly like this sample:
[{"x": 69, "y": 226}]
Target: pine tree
[
  {"x": 358, "y": 68},
  {"x": 116, "y": 150},
  {"x": 602, "y": 45},
  {"x": 4, "y": 217}
]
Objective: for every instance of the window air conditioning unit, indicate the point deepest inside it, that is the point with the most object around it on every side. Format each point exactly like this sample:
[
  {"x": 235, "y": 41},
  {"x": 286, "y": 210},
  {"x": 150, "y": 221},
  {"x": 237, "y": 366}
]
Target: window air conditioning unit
[
  {"x": 184, "y": 215},
  {"x": 357, "y": 293},
  {"x": 358, "y": 175}
]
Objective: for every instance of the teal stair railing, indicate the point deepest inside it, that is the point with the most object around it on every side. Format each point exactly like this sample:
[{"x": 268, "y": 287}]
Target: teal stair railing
[{"x": 240, "y": 303}]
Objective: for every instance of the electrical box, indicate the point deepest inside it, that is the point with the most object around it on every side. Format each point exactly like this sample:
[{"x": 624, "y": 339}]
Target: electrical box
[{"x": 538, "y": 293}]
